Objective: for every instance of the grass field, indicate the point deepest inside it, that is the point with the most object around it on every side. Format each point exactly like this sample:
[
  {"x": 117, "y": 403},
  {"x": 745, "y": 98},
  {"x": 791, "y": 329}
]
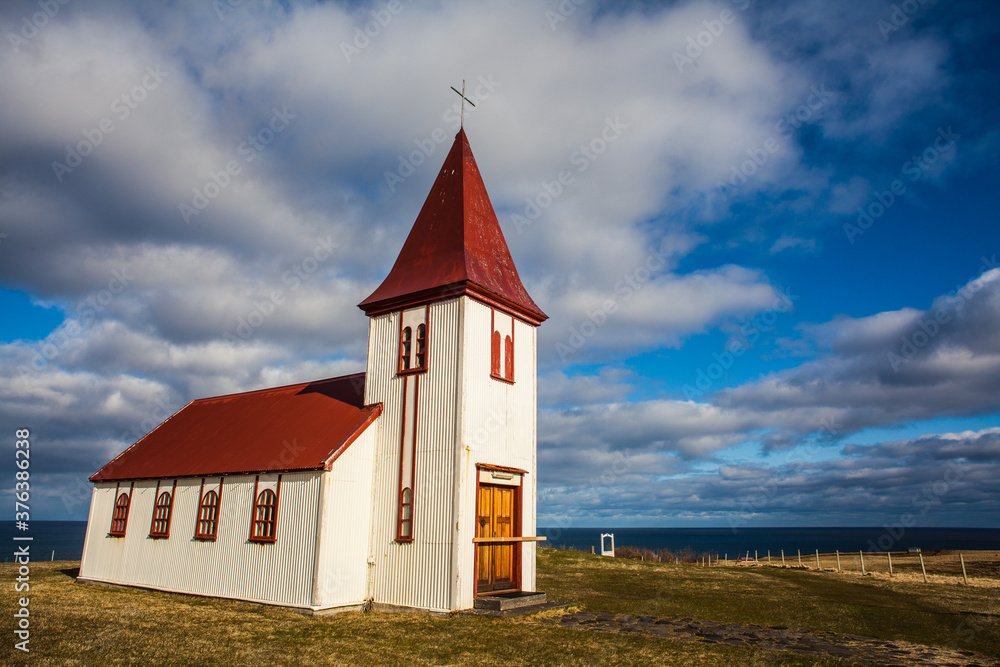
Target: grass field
[{"x": 76, "y": 624}]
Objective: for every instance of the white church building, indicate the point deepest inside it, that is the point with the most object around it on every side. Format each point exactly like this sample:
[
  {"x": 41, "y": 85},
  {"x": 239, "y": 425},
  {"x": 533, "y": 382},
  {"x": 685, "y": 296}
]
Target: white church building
[{"x": 411, "y": 485}]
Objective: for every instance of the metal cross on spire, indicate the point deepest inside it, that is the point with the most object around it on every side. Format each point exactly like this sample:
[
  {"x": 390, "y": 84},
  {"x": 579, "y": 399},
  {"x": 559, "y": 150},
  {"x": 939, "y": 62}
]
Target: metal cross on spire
[{"x": 464, "y": 100}]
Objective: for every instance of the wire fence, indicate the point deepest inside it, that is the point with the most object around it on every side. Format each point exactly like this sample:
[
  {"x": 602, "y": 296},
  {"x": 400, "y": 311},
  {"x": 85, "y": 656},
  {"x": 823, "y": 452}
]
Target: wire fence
[{"x": 975, "y": 568}]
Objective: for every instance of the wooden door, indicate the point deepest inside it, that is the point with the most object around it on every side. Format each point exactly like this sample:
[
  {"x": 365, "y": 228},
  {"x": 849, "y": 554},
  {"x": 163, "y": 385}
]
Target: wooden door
[{"x": 496, "y": 562}]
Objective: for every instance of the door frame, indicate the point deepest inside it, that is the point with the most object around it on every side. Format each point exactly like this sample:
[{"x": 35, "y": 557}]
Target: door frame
[{"x": 512, "y": 478}]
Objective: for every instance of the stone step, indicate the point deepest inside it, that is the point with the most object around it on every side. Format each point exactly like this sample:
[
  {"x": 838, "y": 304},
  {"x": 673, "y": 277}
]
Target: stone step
[{"x": 505, "y": 601}]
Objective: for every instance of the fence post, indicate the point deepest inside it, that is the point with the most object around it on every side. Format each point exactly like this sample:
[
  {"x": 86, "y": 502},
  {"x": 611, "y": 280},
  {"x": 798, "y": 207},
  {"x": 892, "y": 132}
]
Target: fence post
[
  {"x": 838, "y": 560},
  {"x": 800, "y": 557},
  {"x": 768, "y": 556},
  {"x": 861, "y": 555},
  {"x": 727, "y": 558},
  {"x": 964, "y": 576},
  {"x": 922, "y": 567},
  {"x": 817, "y": 559},
  {"x": 888, "y": 554},
  {"x": 782, "y": 558}
]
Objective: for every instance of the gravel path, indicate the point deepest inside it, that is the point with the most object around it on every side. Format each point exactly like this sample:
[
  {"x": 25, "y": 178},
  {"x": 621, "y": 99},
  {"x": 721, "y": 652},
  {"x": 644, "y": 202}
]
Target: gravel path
[{"x": 865, "y": 650}]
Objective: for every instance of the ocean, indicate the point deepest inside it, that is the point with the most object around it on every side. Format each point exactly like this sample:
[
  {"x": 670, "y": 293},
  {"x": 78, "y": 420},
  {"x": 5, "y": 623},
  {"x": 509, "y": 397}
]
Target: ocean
[
  {"x": 722, "y": 541},
  {"x": 65, "y": 538}
]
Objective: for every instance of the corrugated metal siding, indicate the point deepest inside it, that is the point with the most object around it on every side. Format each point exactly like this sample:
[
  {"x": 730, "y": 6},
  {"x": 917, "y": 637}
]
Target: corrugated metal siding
[
  {"x": 279, "y": 573},
  {"x": 342, "y": 564},
  {"x": 416, "y": 574},
  {"x": 498, "y": 427}
]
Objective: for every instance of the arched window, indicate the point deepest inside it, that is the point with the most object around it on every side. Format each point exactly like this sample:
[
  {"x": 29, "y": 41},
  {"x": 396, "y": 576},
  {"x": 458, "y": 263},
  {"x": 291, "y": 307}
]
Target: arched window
[
  {"x": 421, "y": 346},
  {"x": 495, "y": 354},
  {"x": 208, "y": 517},
  {"x": 119, "y": 519},
  {"x": 404, "y": 532},
  {"x": 265, "y": 515},
  {"x": 508, "y": 358},
  {"x": 404, "y": 349},
  {"x": 160, "y": 526}
]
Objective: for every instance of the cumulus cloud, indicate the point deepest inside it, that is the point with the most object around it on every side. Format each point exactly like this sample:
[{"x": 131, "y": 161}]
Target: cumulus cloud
[{"x": 207, "y": 198}]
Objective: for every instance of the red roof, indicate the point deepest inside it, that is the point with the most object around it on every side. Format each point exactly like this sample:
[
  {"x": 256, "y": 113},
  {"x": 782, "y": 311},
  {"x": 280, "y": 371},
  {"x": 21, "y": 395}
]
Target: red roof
[
  {"x": 298, "y": 427},
  {"x": 455, "y": 247}
]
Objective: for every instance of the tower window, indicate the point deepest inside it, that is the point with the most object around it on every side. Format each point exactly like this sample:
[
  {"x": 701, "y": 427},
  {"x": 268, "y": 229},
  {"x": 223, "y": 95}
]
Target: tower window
[
  {"x": 502, "y": 348},
  {"x": 508, "y": 359},
  {"x": 495, "y": 354},
  {"x": 421, "y": 347},
  {"x": 413, "y": 343},
  {"x": 405, "y": 343},
  {"x": 404, "y": 532}
]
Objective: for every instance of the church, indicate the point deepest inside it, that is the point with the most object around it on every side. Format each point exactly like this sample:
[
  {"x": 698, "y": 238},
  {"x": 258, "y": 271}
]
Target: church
[{"x": 408, "y": 486}]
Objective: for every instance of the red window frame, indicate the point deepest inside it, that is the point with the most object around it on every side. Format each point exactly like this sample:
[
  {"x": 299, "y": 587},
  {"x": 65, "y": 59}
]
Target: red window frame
[
  {"x": 163, "y": 510},
  {"x": 508, "y": 356},
  {"x": 206, "y": 525},
  {"x": 119, "y": 517},
  {"x": 405, "y": 345},
  {"x": 421, "y": 361},
  {"x": 505, "y": 374},
  {"x": 495, "y": 354},
  {"x": 404, "y": 529},
  {"x": 413, "y": 346},
  {"x": 264, "y": 520}
]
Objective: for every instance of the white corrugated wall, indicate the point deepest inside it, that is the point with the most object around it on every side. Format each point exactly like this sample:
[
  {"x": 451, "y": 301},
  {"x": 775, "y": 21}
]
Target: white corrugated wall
[
  {"x": 497, "y": 427},
  {"x": 415, "y": 574},
  {"x": 345, "y": 524},
  {"x": 233, "y": 567},
  {"x": 464, "y": 417}
]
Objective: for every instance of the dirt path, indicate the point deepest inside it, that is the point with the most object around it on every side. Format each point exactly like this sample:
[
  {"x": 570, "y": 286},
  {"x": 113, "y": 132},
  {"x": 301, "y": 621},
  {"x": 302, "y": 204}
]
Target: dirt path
[{"x": 865, "y": 650}]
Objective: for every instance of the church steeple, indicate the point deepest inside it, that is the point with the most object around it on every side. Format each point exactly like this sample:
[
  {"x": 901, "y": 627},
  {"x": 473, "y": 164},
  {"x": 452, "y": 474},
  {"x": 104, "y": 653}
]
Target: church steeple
[{"x": 455, "y": 247}]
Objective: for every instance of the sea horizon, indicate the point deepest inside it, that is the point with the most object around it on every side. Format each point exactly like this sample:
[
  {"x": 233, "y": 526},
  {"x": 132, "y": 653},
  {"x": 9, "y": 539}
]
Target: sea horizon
[
  {"x": 790, "y": 539},
  {"x": 65, "y": 539}
]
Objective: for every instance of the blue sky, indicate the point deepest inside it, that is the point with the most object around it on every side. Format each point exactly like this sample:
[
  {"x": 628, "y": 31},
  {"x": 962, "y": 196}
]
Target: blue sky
[{"x": 765, "y": 234}]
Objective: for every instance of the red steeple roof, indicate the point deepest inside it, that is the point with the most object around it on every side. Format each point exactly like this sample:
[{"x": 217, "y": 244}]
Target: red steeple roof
[{"x": 455, "y": 247}]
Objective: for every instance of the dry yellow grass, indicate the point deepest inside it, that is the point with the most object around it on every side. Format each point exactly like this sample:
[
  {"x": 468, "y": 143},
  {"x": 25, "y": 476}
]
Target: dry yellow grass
[{"x": 78, "y": 624}]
